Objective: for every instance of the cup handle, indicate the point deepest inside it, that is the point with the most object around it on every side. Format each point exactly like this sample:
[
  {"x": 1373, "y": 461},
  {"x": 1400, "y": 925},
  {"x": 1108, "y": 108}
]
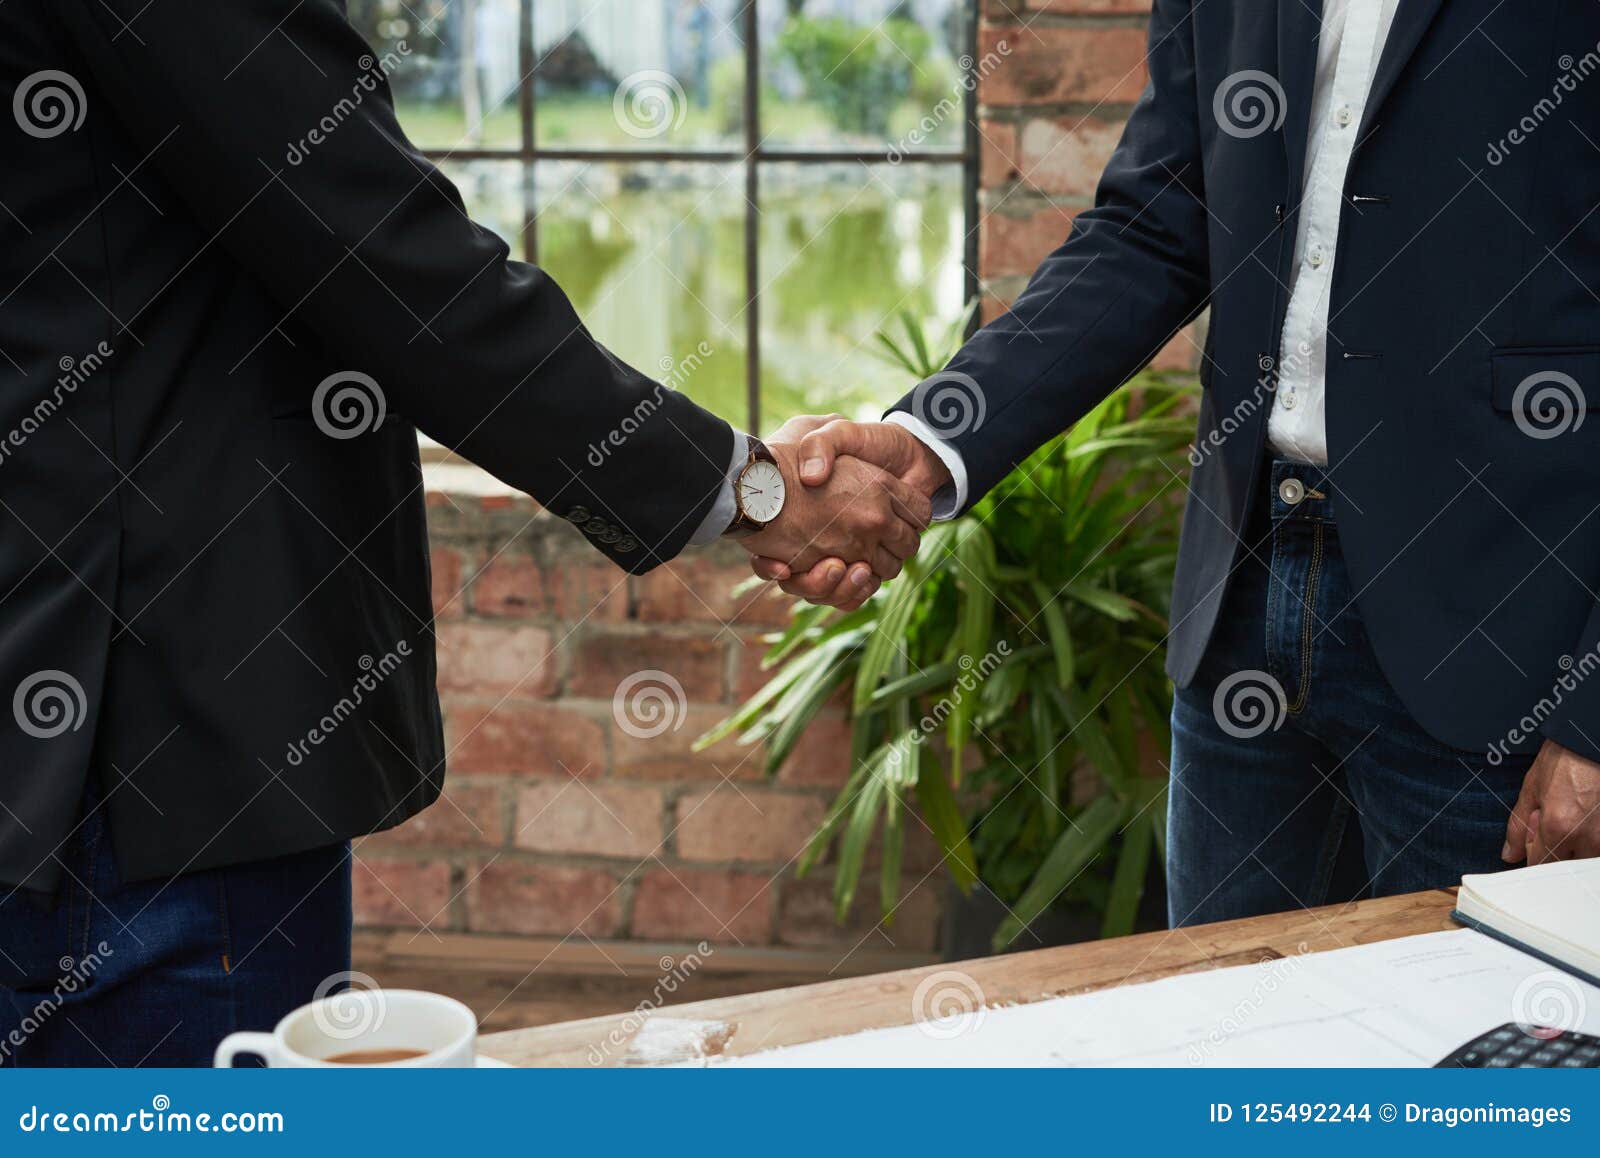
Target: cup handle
[{"x": 235, "y": 1044}]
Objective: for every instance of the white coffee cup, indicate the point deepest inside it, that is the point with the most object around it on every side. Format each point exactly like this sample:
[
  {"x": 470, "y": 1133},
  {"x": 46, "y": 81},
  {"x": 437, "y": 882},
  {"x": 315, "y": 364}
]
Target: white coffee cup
[{"x": 361, "y": 1021}]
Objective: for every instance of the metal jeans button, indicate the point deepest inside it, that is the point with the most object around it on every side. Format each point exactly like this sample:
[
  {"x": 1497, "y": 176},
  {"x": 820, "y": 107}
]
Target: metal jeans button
[{"x": 1291, "y": 491}]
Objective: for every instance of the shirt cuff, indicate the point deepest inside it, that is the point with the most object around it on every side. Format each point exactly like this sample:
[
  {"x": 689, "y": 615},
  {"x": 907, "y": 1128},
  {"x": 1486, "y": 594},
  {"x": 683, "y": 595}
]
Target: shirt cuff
[
  {"x": 948, "y": 499},
  {"x": 720, "y": 517}
]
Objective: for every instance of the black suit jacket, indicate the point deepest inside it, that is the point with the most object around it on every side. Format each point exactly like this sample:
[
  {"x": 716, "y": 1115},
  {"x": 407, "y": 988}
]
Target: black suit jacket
[
  {"x": 1469, "y": 253},
  {"x": 208, "y": 600}
]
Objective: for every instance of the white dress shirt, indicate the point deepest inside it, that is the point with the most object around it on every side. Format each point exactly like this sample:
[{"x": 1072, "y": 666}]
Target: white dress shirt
[{"x": 1353, "y": 35}]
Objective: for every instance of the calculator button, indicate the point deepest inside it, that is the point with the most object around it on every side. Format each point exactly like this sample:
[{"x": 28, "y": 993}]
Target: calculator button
[
  {"x": 1501, "y": 1062},
  {"x": 1572, "y": 1063}
]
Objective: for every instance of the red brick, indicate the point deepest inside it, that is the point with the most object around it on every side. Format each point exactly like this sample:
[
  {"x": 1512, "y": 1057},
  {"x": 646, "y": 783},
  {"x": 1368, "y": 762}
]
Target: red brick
[
  {"x": 510, "y": 585},
  {"x": 821, "y": 756},
  {"x": 747, "y": 824},
  {"x": 515, "y": 585},
  {"x": 684, "y": 904},
  {"x": 1051, "y": 64},
  {"x": 493, "y": 660},
  {"x": 806, "y": 917},
  {"x": 1065, "y": 155},
  {"x": 449, "y": 600},
  {"x": 532, "y": 739},
  {"x": 466, "y": 814},
  {"x": 544, "y": 900},
  {"x": 396, "y": 892},
  {"x": 1013, "y": 241},
  {"x": 1180, "y": 354},
  {"x": 699, "y": 586},
  {"x": 997, "y": 143},
  {"x": 1085, "y": 7},
  {"x": 603, "y": 661},
  {"x": 669, "y": 756},
  {"x": 598, "y": 820},
  {"x": 992, "y": 307}
]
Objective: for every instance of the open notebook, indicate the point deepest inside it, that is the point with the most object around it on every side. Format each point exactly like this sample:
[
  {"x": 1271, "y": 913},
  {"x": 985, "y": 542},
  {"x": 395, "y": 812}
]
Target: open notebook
[{"x": 1551, "y": 911}]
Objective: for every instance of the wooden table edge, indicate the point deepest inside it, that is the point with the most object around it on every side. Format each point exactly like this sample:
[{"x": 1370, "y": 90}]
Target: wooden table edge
[{"x": 806, "y": 1013}]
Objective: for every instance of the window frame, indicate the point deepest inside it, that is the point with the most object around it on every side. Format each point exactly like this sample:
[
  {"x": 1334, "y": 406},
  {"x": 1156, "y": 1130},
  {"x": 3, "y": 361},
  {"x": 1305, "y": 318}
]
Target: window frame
[{"x": 753, "y": 155}]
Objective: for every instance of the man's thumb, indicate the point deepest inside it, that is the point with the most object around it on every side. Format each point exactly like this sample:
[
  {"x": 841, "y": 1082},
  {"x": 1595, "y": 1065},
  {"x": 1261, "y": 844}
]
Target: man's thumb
[{"x": 868, "y": 441}]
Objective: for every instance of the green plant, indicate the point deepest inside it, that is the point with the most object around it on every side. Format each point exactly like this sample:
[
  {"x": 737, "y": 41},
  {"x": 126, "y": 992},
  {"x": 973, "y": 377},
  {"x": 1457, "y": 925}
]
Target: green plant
[
  {"x": 857, "y": 73},
  {"x": 1025, "y": 639}
]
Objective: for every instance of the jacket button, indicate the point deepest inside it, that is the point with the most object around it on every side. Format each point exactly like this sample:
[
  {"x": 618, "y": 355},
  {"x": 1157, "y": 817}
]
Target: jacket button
[
  {"x": 610, "y": 536},
  {"x": 1291, "y": 491},
  {"x": 626, "y": 544},
  {"x": 578, "y": 516}
]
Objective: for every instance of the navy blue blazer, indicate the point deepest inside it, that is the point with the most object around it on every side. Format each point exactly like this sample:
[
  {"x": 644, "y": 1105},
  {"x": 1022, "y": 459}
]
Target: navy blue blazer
[{"x": 1464, "y": 343}]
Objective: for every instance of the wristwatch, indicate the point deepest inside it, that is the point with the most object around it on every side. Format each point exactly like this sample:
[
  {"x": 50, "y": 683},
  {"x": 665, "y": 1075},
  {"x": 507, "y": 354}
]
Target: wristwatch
[{"x": 758, "y": 490}]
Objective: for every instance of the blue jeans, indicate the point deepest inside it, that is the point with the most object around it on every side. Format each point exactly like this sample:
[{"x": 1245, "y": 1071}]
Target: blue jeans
[
  {"x": 156, "y": 973},
  {"x": 1298, "y": 777}
]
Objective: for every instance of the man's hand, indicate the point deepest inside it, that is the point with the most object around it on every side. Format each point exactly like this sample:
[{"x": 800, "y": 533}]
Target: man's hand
[
  {"x": 1557, "y": 815},
  {"x": 861, "y": 513},
  {"x": 822, "y": 444}
]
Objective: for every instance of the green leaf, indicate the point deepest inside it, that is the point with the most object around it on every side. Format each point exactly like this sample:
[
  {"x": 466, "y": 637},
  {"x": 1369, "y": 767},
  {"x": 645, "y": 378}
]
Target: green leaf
[
  {"x": 1127, "y": 883},
  {"x": 1068, "y": 857},
  {"x": 943, "y": 814},
  {"x": 857, "y": 833},
  {"x": 1060, "y": 638}
]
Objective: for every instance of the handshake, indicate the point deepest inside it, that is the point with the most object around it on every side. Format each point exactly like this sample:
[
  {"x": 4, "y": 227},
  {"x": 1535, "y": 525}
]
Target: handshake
[{"x": 863, "y": 499}]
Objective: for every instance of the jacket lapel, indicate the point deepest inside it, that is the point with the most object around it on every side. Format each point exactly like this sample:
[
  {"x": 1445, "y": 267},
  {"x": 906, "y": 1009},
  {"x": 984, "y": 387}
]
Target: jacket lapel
[
  {"x": 1299, "y": 30},
  {"x": 1411, "y": 20}
]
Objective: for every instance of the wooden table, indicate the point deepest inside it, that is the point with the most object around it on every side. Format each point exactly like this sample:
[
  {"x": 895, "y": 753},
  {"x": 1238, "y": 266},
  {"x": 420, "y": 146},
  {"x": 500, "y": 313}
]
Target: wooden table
[{"x": 811, "y": 1012}]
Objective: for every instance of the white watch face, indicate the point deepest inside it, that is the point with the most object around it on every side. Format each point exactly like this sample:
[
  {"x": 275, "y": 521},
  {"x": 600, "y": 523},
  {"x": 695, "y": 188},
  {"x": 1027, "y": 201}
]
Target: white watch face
[{"x": 761, "y": 491}]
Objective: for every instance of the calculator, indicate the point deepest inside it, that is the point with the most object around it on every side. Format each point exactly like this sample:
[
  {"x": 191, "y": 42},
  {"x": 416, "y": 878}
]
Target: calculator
[{"x": 1516, "y": 1046}]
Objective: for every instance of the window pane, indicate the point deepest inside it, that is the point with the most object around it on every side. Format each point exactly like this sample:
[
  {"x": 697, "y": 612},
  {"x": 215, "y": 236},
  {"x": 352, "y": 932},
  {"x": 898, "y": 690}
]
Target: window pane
[
  {"x": 496, "y": 195},
  {"x": 863, "y": 74},
  {"x": 652, "y": 256},
  {"x": 657, "y": 74},
  {"x": 844, "y": 249},
  {"x": 453, "y": 66}
]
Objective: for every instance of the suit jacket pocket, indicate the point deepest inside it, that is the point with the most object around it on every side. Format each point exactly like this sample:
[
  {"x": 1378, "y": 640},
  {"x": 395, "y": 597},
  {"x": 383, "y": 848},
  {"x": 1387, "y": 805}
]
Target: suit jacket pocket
[{"x": 1546, "y": 389}]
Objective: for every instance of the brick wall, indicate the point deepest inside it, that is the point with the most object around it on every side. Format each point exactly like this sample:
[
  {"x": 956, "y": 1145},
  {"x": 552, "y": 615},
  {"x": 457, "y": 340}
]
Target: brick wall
[
  {"x": 564, "y": 816},
  {"x": 561, "y": 822},
  {"x": 1049, "y": 116}
]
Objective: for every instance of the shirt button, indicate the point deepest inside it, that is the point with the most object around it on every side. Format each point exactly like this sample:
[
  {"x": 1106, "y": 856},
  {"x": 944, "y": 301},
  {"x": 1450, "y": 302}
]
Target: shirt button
[
  {"x": 1291, "y": 491},
  {"x": 1288, "y": 401},
  {"x": 1316, "y": 257},
  {"x": 1342, "y": 116}
]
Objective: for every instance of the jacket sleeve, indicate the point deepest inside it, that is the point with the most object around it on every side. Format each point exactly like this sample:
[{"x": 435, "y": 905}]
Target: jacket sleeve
[
  {"x": 274, "y": 124},
  {"x": 1132, "y": 271}
]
